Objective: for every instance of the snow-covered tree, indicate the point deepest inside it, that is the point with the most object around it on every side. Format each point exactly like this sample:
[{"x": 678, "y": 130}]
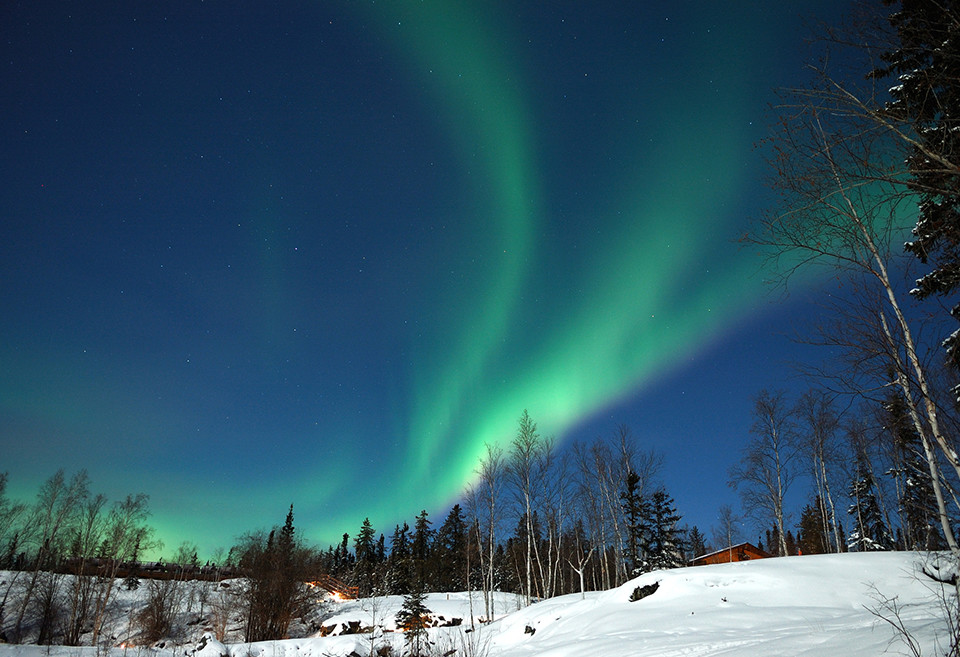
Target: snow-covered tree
[
  {"x": 397, "y": 574},
  {"x": 413, "y": 618},
  {"x": 925, "y": 105},
  {"x": 666, "y": 542},
  {"x": 870, "y": 532},
  {"x": 917, "y": 501}
]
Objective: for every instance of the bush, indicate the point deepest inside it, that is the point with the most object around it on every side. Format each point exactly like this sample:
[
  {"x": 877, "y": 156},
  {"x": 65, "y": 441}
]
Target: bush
[{"x": 641, "y": 592}]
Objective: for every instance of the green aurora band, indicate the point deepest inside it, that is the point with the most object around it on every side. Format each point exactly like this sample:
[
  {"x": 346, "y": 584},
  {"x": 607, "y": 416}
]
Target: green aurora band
[
  {"x": 642, "y": 299},
  {"x": 647, "y": 276}
]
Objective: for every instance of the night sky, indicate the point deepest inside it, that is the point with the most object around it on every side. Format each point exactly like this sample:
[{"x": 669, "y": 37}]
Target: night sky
[{"x": 321, "y": 252}]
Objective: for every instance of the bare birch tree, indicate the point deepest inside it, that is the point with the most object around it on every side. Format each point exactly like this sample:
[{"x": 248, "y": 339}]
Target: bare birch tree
[
  {"x": 525, "y": 472},
  {"x": 50, "y": 522},
  {"x": 818, "y": 425},
  {"x": 485, "y": 499},
  {"x": 765, "y": 472},
  {"x": 728, "y": 530},
  {"x": 125, "y": 536}
]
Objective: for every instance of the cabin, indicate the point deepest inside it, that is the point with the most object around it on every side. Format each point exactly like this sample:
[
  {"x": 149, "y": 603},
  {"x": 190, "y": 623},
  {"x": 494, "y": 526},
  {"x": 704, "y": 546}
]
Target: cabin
[{"x": 740, "y": 552}]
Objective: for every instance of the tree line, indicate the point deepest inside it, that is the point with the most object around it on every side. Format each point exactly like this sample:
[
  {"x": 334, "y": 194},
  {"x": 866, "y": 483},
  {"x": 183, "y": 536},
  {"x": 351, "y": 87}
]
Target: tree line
[{"x": 538, "y": 521}]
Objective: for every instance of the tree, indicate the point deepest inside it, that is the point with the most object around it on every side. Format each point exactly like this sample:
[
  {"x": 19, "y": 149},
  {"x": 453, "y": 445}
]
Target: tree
[
  {"x": 87, "y": 537},
  {"x": 837, "y": 157},
  {"x": 637, "y": 514},
  {"x": 398, "y": 580},
  {"x": 763, "y": 475},
  {"x": 666, "y": 541},
  {"x": 125, "y": 535},
  {"x": 819, "y": 425},
  {"x": 870, "y": 533},
  {"x": 365, "y": 569},
  {"x": 811, "y": 537},
  {"x": 729, "y": 529},
  {"x": 10, "y": 533},
  {"x": 414, "y": 618},
  {"x": 49, "y": 524},
  {"x": 450, "y": 549},
  {"x": 696, "y": 544},
  {"x": 276, "y": 574},
  {"x": 580, "y": 554},
  {"x": 603, "y": 469},
  {"x": 915, "y": 491},
  {"x": 421, "y": 552},
  {"x": 485, "y": 500},
  {"x": 524, "y": 469},
  {"x": 925, "y": 107}
]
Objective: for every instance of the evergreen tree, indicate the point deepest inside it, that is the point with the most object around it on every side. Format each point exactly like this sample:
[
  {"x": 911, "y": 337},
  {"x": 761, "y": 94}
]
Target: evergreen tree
[
  {"x": 450, "y": 548},
  {"x": 365, "y": 570},
  {"x": 381, "y": 556},
  {"x": 696, "y": 544},
  {"x": 666, "y": 540},
  {"x": 926, "y": 98},
  {"x": 515, "y": 566},
  {"x": 811, "y": 536},
  {"x": 791, "y": 543},
  {"x": 421, "y": 552},
  {"x": 636, "y": 511},
  {"x": 916, "y": 497},
  {"x": 504, "y": 577},
  {"x": 869, "y": 533},
  {"x": 398, "y": 563},
  {"x": 414, "y": 618}
]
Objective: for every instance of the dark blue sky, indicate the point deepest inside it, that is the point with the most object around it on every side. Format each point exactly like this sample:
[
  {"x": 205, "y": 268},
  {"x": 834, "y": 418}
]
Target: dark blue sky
[{"x": 321, "y": 252}]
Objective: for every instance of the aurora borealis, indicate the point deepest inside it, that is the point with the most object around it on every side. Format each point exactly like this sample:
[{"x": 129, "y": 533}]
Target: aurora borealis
[{"x": 321, "y": 252}]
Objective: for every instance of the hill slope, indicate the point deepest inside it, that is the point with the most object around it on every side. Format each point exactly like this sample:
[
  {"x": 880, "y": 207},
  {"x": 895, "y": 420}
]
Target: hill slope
[{"x": 825, "y": 605}]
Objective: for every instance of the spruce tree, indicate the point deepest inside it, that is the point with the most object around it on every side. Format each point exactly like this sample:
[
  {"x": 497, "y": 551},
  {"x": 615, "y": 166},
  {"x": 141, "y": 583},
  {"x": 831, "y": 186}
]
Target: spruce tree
[
  {"x": 449, "y": 550},
  {"x": 666, "y": 541},
  {"x": 636, "y": 511},
  {"x": 811, "y": 536},
  {"x": 365, "y": 570},
  {"x": 398, "y": 563},
  {"x": 916, "y": 497},
  {"x": 696, "y": 543},
  {"x": 926, "y": 98},
  {"x": 421, "y": 552},
  {"x": 791, "y": 543},
  {"x": 870, "y": 532},
  {"x": 414, "y": 618}
]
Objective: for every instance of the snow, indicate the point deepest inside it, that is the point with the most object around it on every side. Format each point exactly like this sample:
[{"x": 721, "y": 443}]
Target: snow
[{"x": 797, "y": 606}]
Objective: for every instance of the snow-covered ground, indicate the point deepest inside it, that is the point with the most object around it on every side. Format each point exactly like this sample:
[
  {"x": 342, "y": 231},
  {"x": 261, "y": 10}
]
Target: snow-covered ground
[{"x": 829, "y": 605}]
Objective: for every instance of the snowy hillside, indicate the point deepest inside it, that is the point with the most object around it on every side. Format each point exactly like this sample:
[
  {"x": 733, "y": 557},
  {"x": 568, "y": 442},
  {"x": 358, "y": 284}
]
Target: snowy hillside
[{"x": 798, "y": 606}]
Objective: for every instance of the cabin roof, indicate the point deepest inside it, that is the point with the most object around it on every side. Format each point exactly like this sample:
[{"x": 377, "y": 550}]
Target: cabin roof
[{"x": 738, "y": 547}]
